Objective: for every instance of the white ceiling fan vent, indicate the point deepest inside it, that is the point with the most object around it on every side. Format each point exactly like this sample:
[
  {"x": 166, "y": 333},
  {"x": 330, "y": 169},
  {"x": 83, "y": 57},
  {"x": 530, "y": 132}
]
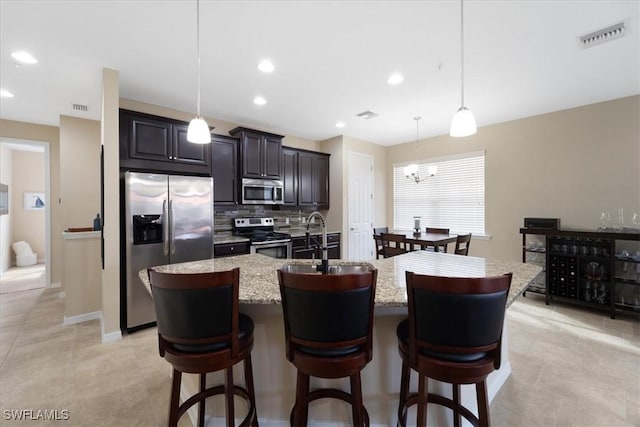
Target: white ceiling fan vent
[
  {"x": 81, "y": 107},
  {"x": 601, "y": 36},
  {"x": 367, "y": 115}
]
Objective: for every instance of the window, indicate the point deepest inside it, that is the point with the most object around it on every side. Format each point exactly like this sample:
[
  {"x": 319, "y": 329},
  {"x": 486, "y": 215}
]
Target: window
[{"x": 453, "y": 198}]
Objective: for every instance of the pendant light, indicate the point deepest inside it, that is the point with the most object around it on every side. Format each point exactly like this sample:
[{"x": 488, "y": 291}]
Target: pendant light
[
  {"x": 463, "y": 123},
  {"x": 198, "y": 131},
  {"x": 411, "y": 171}
]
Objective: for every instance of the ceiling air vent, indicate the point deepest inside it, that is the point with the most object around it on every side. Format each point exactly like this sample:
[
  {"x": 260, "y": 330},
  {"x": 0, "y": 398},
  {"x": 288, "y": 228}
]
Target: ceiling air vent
[
  {"x": 81, "y": 107},
  {"x": 367, "y": 115},
  {"x": 606, "y": 34}
]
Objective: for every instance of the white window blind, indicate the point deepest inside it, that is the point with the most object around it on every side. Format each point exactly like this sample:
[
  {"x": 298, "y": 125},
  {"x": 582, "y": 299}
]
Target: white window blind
[{"x": 453, "y": 198}]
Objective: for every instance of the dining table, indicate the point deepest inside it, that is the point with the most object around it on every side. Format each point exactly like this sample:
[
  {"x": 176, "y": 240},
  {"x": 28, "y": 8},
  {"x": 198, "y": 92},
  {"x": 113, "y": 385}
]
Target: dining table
[{"x": 424, "y": 239}]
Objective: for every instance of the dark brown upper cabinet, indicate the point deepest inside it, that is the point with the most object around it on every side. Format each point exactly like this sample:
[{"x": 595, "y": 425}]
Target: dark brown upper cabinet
[
  {"x": 154, "y": 143},
  {"x": 260, "y": 153},
  {"x": 224, "y": 162},
  {"x": 290, "y": 176},
  {"x": 313, "y": 180}
]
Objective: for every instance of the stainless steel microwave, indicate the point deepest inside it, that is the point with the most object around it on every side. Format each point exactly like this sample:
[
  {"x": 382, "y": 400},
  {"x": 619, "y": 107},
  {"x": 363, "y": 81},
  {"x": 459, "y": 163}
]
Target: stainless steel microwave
[{"x": 262, "y": 192}]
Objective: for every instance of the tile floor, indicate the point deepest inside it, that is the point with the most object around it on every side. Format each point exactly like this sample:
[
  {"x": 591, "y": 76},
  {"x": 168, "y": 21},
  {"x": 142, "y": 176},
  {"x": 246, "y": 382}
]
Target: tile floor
[{"x": 570, "y": 368}]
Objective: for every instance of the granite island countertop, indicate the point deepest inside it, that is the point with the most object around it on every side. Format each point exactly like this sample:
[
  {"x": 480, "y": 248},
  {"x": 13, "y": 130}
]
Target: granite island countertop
[{"x": 259, "y": 280}]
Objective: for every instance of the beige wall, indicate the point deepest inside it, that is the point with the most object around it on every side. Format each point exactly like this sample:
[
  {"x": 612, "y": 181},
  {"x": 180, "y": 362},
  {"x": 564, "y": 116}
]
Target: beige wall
[
  {"x": 80, "y": 171},
  {"x": 49, "y": 135},
  {"x": 334, "y": 216},
  {"x": 28, "y": 225},
  {"x": 571, "y": 164},
  {"x": 5, "y": 220}
]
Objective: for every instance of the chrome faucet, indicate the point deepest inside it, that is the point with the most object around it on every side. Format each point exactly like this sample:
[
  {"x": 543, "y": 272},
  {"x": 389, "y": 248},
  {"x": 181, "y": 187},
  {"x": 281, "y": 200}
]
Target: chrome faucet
[{"x": 324, "y": 266}]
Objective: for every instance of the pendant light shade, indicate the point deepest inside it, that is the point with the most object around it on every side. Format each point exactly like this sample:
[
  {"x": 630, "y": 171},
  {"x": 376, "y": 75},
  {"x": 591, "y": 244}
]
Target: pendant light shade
[
  {"x": 198, "y": 131},
  {"x": 463, "y": 122}
]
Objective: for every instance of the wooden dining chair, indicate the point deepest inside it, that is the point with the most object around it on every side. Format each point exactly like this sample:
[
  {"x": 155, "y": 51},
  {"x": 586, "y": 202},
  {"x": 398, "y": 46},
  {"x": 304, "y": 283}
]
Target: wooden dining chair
[
  {"x": 394, "y": 244},
  {"x": 462, "y": 244},
  {"x": 436, "y": 230},
  {"x": 378, "y": 239}
]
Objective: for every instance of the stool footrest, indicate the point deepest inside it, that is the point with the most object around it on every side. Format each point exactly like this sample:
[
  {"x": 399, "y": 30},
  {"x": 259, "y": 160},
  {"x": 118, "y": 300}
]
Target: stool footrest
[
  {"x": 213, "y": 391},
  {"x": 437, "y": 399}
]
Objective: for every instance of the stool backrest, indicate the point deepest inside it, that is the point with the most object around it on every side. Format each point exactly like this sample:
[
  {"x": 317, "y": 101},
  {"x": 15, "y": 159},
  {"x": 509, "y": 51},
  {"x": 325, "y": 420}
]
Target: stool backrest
[
  {"x": 328, "y": 311},
  {"x": 200, "y": 308},
  {"x": 436, "y": 230},
  {"x": 462, "y": 244},
  {"x": 456, "y": 315}
]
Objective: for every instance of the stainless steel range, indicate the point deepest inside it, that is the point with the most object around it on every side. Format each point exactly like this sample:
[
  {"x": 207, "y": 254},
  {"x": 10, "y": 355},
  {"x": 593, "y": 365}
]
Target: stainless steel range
[{"x": 264, "y": 240}]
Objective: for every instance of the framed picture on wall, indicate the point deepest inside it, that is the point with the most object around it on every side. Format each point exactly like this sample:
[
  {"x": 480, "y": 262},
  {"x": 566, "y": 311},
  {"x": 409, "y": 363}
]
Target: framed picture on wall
[{"x": 33, "y": 201}]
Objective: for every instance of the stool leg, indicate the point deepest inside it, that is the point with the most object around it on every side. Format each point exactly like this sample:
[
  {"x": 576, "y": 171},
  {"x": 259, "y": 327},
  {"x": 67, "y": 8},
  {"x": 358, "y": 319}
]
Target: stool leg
[
  {"x": 248, "y": 379},
  {"x": 228, "y": 396},
  {"x": 457, "y": 418},
  {"x": 422, "y": 401},
  {"x": 202, "y": 403},
  {"x": 483, "y": 404},
  {"x": 301, "y": 408},
  {"x": 404, "y": 392},
  {"x": 175, "y": 398},
  {"x": 357, "y": 407}
]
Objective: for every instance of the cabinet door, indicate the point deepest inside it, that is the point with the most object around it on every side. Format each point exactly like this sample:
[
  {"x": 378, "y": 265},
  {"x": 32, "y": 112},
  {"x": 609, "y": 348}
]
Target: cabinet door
[
  {"x": 321, "y": 181},
  {"x": 224, "y": 158},
  {"x": 187, "y": 152},
  {"x": 252, "y": 155},
  {"x": 290, "y": 176},
  {"x": 272, "y": 151},
  {"x": 230, "y": 249},
  {"x": 305, "y": 179},
  {"x": 149, "y": 139}
]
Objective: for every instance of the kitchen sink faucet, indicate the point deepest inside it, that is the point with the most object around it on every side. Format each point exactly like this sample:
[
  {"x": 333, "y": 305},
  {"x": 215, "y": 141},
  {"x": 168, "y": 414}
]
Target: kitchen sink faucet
[{"x": 324, "y": 266}]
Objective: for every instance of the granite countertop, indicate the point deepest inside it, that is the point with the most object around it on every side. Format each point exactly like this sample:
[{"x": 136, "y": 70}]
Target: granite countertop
[
  {"x": 259, "y": 283},
  {"x": 301, "y": 232},
  {"x": 294, "y": 232},
  {"x": 228, "y": 238}
]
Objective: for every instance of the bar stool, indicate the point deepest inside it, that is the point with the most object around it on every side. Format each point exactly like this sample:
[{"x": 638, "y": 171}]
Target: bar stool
[
  {"x": 442, "y": 339},
  {"x": 328, "y": 323},
  {"x": 200, "y": 330}
]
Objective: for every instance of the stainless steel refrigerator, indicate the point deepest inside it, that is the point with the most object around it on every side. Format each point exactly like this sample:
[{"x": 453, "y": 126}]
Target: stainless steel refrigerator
[{"x": 168, "y": 219}]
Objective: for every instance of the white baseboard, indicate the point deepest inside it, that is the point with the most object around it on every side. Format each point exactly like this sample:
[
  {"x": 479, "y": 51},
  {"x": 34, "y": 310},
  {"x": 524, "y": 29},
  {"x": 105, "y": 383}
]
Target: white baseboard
[
  {"x": 111, "y": 336},
  {"x": 72, "y": 320},
  {"x": 62, "y": 294},
  {"x": 54, "y": 285},
  {"x": 498, "y": 381}
]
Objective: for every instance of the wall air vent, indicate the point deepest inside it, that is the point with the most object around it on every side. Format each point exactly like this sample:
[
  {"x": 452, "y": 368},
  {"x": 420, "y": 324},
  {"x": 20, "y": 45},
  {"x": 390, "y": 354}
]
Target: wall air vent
[
  {"x": 367, "y": 115},
  {"x": 606, "y": 34},
  {"x": 81, "y": 107}
]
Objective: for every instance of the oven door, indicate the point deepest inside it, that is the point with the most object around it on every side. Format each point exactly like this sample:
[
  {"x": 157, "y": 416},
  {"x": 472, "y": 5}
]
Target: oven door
[{"x": 280, "y": 250}]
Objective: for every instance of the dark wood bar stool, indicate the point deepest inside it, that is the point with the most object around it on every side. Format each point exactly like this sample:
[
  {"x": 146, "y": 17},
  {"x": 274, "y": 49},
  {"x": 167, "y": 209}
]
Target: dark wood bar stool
[
  {"x": 442, "y": 339},
  {"x": 462, "y": 244},
  {"x": 200, "y": 330},
  {"x": 394, "y": 244},
  {"x": 328, "y": 324}
]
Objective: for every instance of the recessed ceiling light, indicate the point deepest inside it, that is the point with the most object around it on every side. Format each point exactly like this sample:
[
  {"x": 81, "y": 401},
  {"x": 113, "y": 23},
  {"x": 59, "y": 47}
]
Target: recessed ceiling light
[
  {"x": 24, "y": 57},
  {"x": 5, "y": 93},
  {"x": 266, "y": 66},
  {"x": 258, "y": 100},
  {"x": 395, "y": 78},
  {"x": 340, "y": 125}
]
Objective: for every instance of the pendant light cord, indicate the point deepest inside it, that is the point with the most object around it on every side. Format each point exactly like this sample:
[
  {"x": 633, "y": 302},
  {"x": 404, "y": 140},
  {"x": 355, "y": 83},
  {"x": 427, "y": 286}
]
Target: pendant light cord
[
  {"x": 198, "y": 54},
  {"x": 462, "y": 53}
]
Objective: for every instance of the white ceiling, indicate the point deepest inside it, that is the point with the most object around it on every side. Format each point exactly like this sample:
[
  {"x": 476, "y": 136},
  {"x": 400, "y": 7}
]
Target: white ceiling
[{"x": 332, "y": 60}]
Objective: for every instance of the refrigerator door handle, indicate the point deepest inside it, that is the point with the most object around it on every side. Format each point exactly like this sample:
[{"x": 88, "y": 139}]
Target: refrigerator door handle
[
  {"x": 173, "y": 228},
  {"x": 165, "y": 229}
]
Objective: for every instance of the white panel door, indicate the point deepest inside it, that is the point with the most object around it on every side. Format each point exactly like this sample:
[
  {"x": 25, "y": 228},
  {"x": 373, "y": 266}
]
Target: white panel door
[{"x": 360, "y": 205}]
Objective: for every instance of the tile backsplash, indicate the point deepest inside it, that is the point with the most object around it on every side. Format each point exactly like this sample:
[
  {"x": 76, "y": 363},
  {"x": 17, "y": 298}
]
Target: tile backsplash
[{"x": 284, "y": 217}]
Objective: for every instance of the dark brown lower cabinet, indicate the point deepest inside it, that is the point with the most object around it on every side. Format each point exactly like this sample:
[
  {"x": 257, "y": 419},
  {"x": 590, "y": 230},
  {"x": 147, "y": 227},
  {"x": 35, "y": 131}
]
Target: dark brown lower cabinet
[
  {"x": 300, "y": 251},
  {"x": 230, "y": 249}
]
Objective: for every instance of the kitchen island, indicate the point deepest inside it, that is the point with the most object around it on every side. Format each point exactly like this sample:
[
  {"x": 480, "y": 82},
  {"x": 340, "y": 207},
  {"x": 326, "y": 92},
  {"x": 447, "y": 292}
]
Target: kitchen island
[{"x": 275, "y": 377}]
